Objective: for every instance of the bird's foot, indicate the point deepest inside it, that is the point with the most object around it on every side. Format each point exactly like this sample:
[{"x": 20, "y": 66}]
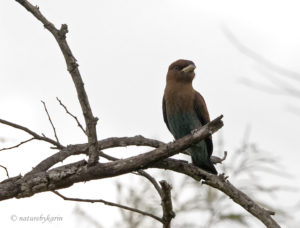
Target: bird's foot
[
  {"x": 194, "y": 131},
  {"x": 223, "y": 177}
]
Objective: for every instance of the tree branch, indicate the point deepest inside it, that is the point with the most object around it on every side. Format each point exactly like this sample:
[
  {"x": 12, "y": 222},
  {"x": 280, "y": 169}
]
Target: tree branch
[
  {"x": 65, "y": 176},
  {"x": 72, "y": 66},
  {"x": 49, "y": 118},
  {"x": 106, "y": 144},
  {"x": 40, "y": 179},
  {"x": 3, "y": 167},
  {"x": 257, "y": 57},
  {"x": 15, "y": 146},
  {"x": 35, "y": 135},
  {"x": 221, "y": 183},
  {"x": 74, "y": 117},
  {"x": 109, "y": 204},
  {"x": 152, "y": 181},
  {"x": 165, "y": 194},
  {"x": 166, "y": 202}
]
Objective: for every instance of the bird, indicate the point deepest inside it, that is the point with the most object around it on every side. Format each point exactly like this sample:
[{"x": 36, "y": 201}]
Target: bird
[{"x": 184, "y": 110}]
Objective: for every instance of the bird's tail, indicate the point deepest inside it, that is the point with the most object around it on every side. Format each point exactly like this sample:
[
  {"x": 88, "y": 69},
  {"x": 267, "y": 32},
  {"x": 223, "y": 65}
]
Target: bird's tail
[{"x": 201, "y": 158}]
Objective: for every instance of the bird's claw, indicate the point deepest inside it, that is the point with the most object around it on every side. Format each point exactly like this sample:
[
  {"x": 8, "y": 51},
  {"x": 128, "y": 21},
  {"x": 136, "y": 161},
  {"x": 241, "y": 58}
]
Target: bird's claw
[{"x": 194, "y": 131}]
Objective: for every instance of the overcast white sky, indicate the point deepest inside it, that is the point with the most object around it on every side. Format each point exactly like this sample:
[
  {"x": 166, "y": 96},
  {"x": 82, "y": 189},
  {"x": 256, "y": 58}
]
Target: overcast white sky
[{"x": 124, "y": 49}]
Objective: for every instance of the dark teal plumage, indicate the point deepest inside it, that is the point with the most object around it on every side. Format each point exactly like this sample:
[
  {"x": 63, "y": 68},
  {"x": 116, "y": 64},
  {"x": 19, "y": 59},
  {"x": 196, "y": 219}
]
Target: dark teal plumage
[{"x": 184, "y": 110}]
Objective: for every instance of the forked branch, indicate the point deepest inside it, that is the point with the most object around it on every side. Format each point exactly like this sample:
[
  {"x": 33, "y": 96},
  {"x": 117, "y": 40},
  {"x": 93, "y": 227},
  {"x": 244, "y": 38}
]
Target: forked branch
[{"x": 72, "y": 66}]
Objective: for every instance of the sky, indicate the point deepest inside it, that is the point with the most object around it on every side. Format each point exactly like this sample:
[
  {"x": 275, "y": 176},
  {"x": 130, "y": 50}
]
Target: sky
[{"x": 124, "y": 48}]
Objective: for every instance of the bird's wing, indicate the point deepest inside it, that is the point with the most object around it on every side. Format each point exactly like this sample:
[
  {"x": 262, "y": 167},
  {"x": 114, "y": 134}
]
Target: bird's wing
[
  {"x": 165, "y": 113},
  {"x": 203, "y": 115}
]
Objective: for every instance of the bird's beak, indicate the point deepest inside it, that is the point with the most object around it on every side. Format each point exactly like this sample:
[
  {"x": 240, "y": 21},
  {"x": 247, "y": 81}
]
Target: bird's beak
[{"x": 189, "y": 68}]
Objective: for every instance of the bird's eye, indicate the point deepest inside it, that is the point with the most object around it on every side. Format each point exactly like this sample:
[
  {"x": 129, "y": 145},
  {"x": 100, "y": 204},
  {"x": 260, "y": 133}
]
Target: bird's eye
[{"x": 176, "y": 68}]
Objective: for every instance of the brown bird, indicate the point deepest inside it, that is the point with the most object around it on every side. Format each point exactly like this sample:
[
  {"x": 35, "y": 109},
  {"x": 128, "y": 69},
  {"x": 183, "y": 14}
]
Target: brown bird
[{"x": 184, "y": 110}]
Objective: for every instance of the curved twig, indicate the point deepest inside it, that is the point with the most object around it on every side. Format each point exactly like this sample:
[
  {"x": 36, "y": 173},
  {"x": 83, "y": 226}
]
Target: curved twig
[
  {"x": 50, "y": 120},
  {"x": 109, "y": 204},
  {"x": 15, "y": 146},
  {"x": 74, "y": 117},
  {"x": 3, "y": 167}
]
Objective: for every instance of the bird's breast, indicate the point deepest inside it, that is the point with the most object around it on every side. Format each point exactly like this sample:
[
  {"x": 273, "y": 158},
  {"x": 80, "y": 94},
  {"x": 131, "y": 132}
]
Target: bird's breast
[
  {"x": 181, "y": 115},
  {"x": 182, "y": 123}
]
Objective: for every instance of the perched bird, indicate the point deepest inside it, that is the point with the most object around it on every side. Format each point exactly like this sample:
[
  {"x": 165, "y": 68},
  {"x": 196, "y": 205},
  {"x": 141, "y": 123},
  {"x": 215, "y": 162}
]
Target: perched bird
[{"x": 184, "y": 110}]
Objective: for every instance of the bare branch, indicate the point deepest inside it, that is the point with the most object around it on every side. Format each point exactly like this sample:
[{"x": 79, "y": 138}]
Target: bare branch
[
  {"x": 74, "y": 117},
  {"x": 105, "y": 144},
  {"x": 67, "y": 175},
  {"x": 129, "y": 141},
  {"x": 166, "y": 202},
  {"x": 5, "y": 170},
  {"x": 54, "y": 130},
  {"x": 35, "y": 135},
  {"x": 164, "y": 193},
  {"x": 258, "y": 58},
  {"x": 71, "y": 62},
  {"x": 152, "y": 181},
  {"x": 12, "y": 147},
  {"x": 216, "y": 160},
  {"x": 221, "y": 183},
  {"x": 259, "y": 86},
  {"x": 286, "y": 87},
  {"x": 109, "y": 204}
]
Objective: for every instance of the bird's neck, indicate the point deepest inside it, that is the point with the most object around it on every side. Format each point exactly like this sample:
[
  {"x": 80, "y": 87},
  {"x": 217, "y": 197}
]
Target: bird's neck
[{"x": 175, "y": 86}]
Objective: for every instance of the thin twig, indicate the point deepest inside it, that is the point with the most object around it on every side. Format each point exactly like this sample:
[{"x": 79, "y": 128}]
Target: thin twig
[
  {"x": 35, "y": 135},
  {"x": 152, "y": 180},
  {"x": 75, "y": 118},
  {"x": 5, "y": 170},
  {"x": 54, "y": 130},
  {"x": 12, "y": 147},
  {"x": 217, "y": 160},
  {"x": 109, "y": 204}
]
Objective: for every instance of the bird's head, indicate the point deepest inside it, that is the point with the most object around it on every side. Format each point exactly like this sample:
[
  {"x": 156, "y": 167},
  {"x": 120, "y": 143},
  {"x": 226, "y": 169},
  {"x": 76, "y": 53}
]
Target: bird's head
[{"x": 181, "y": 71}]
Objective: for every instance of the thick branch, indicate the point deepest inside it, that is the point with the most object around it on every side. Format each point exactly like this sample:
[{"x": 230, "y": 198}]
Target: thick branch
[
  {"x": 60, "y": 36},
  {"x": 105, "y": 144},
  {"x": 221, "y": 183},
  {"x": 65, "y": 176}
]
